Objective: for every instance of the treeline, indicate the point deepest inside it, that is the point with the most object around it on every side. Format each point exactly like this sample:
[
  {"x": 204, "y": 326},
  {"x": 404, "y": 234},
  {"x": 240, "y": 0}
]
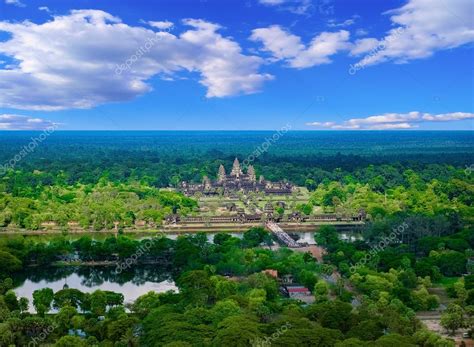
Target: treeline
[
  {"x": 449, "y": 196},
  {"x": 94, "y": 207},
  {"x": 163, "y": 159},
  {"x": 187, "y": 252},
  {"x": 160, "y": 170},
  {"x": 28, "y": 199}
]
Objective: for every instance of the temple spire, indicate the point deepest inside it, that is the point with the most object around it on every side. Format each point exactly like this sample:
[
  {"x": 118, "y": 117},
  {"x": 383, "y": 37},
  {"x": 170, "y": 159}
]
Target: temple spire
[
  {"x": 206, "y": 182},
  {"x": 236, "y": 170},
  {"x": 251, "y": 173},
  {"x": 221, "y": 174}
]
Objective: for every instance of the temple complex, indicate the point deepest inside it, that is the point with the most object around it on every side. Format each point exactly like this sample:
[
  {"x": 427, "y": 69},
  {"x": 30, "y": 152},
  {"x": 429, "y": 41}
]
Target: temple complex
[{"x": 236, "y": 181}]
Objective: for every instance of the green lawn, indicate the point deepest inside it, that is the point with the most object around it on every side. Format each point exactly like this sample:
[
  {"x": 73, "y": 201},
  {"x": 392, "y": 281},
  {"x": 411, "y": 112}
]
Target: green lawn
[{"x": 446, "y": 281}]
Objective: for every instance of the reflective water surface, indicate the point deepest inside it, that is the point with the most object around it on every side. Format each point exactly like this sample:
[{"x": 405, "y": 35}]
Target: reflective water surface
[{"x": 131, "y": 283}]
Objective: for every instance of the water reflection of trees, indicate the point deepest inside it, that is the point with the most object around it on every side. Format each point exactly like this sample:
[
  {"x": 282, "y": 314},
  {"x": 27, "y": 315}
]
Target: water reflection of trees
[
  {"x": 37, "y": 274},
  {"x": 96, "y": 275},
  {"x": 138, "y": 275}
]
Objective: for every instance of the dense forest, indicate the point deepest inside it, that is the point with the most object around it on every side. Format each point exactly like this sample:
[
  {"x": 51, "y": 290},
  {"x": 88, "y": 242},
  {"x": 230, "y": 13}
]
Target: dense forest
[
  {"x": 225, "y": 299},
  {"x": 28, "y": 199},
  {"x": 91, "y": 180},
  {"x": 162, "y": 159},
  {"x": 417, "y": 192}
]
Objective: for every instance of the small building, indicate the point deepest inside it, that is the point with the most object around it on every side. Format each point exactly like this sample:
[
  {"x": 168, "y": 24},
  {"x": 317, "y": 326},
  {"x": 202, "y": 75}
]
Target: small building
[
  {"x": 296, "y": 291},
  {"x": 299, "y": 293}
]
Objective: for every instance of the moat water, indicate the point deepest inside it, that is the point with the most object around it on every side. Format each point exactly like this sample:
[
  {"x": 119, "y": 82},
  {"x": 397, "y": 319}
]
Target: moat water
[
  {"x": 132, "y": 283},
  {"x": 302, "y": 236}
]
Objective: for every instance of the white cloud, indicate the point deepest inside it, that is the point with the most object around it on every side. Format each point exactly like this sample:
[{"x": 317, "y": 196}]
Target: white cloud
[
  {"x": 278, "y": 41},
  {"x": 162, "y": 25},
  {"x": 272, "y": 2},
  {"x": 44, "y": 8},
  {"x": 288, "y": 47},
  {"x": 386, "y": 118},
  {"x": 422, "y": 27},
  {"x": 72, "y": 61},
  {"x": 18, "y": 122},
  {"x": 361, "y": 32},
  {"x": 391, "y": 126},
  {"x": 322, "y": 124},
  {"x": 448, "y": 117},
  {"x": 392, "y": 121},
  {"x": 17, "y": 3},
  {"x": 364, "y": 45},
  {"x": 300, "y": 7},
  {"x": 332, "y": 23}
]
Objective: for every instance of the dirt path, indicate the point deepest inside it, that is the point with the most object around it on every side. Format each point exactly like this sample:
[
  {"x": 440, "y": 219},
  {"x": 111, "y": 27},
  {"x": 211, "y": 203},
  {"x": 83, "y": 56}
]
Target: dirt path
[{"x": 316, "y": 251}]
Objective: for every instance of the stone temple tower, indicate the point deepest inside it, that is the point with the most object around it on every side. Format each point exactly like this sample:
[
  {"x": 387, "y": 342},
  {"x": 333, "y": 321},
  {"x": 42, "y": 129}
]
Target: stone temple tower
[
  {"x": 206, "y": 182},
  {"x": 236, "y": 170},
  {"x": 251, "y": 174},
  {"x": 221, "y": 174}
]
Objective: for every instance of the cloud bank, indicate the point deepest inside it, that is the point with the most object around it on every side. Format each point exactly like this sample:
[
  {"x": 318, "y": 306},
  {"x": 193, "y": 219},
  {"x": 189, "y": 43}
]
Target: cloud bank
[
  {"x": 428, "y": 26},
  {"x": 18, "y": 122},
  {"x": 17, "y": 3},
  {"x": 420, "y": 29},
  {"x": 289, "y": 48},
  {"x": 391, "y": 121},
  {"x": 70, "y": 61},
  {"x": 300, "y": 7}
]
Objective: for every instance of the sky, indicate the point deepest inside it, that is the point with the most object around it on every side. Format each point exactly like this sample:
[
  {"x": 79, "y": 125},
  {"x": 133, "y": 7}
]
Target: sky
[{"x": 236, "y": 64}]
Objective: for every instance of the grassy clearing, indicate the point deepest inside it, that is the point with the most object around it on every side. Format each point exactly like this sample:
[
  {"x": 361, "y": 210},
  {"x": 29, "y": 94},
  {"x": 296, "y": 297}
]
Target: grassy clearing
[
  {"x": 446, "y": 281},
  {"x": 212, "y": 206}
]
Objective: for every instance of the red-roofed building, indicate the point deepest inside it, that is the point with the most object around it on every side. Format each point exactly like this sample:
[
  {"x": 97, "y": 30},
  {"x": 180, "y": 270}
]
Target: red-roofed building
[
  {"x": 299, "y": 293},
  {"x": 298, "y": 290}
]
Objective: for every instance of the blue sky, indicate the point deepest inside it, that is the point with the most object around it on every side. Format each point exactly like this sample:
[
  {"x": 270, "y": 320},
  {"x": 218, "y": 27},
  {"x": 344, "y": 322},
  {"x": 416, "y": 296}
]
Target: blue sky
[{"x": 236, "y": 65}]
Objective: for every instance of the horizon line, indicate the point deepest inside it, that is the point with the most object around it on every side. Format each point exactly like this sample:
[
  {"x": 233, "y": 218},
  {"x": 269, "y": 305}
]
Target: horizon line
[{"x": 247, "y": 130}]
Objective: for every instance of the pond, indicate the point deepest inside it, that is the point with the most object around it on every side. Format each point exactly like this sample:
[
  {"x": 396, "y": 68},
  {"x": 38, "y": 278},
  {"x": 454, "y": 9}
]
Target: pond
[{"x": 132, "y": 283}]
